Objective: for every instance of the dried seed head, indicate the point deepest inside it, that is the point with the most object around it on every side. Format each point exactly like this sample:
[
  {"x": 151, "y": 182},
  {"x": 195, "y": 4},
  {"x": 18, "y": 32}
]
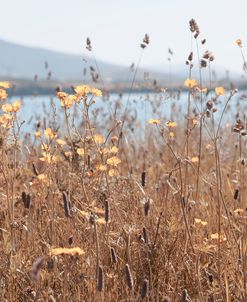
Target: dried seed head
[
  {"x": 70, "y": 241},
  {"x": 66, "y": 204},
  {"x": 145, "y": 41},
  {"x": 190, "y": 57},
  {"x": 209, "y": 104},
  {"x": 113, "y": 255},
  {"x": 236, "y": 194},
  {"x": 26, "y": 200},
  {"x": 107, "y": 211},
  {"x": 210, "y": 278},
  {"x": 203, "y": 63},
  {"x": 100, "y": 280},
  {"x": 92, "y": 218},
  {"x": 35, "y": 171},
  {"x": 208, "y": 55},
  {"x": 146, "y": 206},
  {"x": 129, "y": 278},
  {"x": 143, "y": 178},
  {"x": 145, "y": 289},
  {"x": 194, "y": 28},
  {"x": 88, "y": 44},
  {"x": 145, "y": 235}
]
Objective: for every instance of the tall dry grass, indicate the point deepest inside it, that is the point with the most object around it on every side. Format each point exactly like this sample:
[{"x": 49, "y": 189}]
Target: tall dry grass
[{"x": 106, "y": 214}]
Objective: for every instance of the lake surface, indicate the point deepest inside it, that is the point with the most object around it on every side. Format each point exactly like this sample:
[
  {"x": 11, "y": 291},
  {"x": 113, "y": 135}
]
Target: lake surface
[{"x": 140, "y": 108}]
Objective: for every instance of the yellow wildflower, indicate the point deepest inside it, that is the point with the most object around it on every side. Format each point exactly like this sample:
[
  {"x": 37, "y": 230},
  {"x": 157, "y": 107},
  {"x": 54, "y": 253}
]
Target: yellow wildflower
[
  {"x": 198, "y": 220},
  {"x": 16, "y": 106},
  {"x": 171, "y": 124},
  {"x": 5, "y": 85},
  {"x": 195, "y": 159},
  {"x": 68, "y": 101},
  {"x": 113, "y": 172},
  {"x": 7, "y": 108},
  {"x": 3, "y": 94},
  {"x": 102, "y": 168},
  {"x": 216, "y": 236},
  {"x": 154, "y": 121},
  {"x": 99, "y": 139},
  {"x": 190, "y": 83},
  {"x": 82, "y": 90},
  {"x": 220, "y": 90},
  {"x": 96, "y": 92},
  {"x": 114, "y": 150},
  {"x": 68, "y": 154},
  {"x": 61, "y": 142},
  {"x": 5, "y": 120},
  {"x": 49, "y": 133},
  {"x": 113, "y": 161},
  {"x": 38, "y": 134},
  {"x": 80, "y": 151},
  {"x": 62, "y": 95}
]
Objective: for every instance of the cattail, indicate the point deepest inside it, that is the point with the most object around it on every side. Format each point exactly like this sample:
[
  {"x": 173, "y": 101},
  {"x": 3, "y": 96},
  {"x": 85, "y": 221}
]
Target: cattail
[
  {"x": 70, "y": 240},
  {"x": 88, "y": 44},
  {"x": 208, "y": 55},
  {"x": 23, "y": 196},
  {"x": 107, "y": 211},
  {"x": 113, "y": 255},
  {"x": 58, "y": 88},
  {"x": 26, "y": 200},
  {"x": 145, "y": 41},
  {"x": 210, "y": 278},
  {"x": 194, "y": 28},
  {"x": 145, "y": 235},
  {"x": 203, "y": 63},
  {"x": 35, "y": 171},
  {"x": 145, "y": 289},
  {"x": 36, "y": 268},
  {"x": 209, "y": 105},
  {"x": 143, "y": 178},
  {"x": 100, "y": 281},
  {"x": 146, "y": 206},
  {"x": 190, "y": 57},
  {"x": 66, "y": 205},
  {"x": 129, "y": 278},
  {"x": 92, "y": 218},
  {"x": 236, "y": 194}
]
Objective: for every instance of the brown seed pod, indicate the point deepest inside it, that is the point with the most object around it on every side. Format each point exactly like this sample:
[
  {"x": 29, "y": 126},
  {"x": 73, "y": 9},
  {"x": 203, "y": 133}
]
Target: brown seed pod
[
  {"x": 129, "y": 278},
  {"x": 145, "y": 289}
]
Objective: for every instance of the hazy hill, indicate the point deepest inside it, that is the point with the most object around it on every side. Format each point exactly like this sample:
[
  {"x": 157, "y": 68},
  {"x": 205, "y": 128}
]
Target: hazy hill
[{"x": 19, "y": 61}]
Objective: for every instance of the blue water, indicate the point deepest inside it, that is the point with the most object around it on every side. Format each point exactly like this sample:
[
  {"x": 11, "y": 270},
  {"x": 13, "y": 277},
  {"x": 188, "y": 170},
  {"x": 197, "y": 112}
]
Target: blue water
[{"x": 140, "y": 107}]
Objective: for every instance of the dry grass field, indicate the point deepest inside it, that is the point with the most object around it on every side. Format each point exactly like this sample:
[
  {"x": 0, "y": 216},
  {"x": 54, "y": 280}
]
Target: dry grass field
[{"x": 98, "y": 213}]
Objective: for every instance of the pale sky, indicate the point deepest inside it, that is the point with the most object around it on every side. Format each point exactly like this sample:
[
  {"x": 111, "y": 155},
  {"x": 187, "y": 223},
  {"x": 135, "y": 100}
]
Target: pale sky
[{"x": 116, "y": 27}]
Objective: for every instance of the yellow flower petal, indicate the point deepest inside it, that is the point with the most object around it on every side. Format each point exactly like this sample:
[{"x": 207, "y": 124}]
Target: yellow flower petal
[{"x": 220, "y": 90}]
